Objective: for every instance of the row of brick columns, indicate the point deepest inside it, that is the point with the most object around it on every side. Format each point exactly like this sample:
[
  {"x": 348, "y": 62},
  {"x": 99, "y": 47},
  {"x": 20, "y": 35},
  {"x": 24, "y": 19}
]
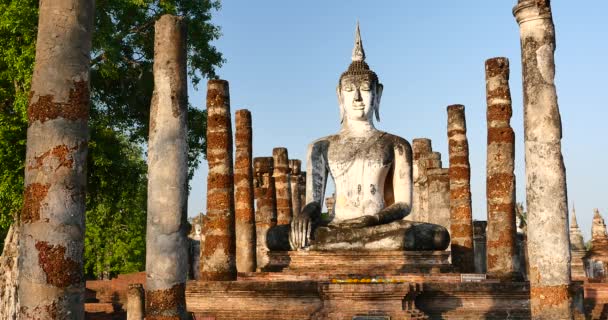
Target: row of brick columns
[{"x": 235, "y": 231}]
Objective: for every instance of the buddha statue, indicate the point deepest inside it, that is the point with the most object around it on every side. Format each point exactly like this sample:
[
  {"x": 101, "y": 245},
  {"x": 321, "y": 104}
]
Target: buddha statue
[{"x": 372, "y": 171}]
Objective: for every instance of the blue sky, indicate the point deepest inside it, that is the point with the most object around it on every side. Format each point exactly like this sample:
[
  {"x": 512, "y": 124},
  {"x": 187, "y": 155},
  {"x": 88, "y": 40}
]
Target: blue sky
[{"x": 284, "y": 59}]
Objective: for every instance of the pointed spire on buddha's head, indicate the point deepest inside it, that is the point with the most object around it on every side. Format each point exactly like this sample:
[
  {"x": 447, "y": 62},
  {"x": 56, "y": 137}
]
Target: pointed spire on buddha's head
[
  {"x": 358, "y": 67},
  {"x": 358, "y": 52}
]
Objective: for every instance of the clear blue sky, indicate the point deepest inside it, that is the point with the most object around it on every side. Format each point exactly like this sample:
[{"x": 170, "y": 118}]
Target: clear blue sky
[{"x": 284, "y": 59}]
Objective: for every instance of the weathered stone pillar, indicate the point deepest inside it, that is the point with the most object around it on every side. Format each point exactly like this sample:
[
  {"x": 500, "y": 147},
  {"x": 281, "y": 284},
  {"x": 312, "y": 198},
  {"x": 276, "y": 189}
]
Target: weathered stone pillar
[
  {"x": 461, "y": 229},
  {"x": 438, "y": 186},
  {"x": 295, "y": 167},
  {"x": 51, "y": 243},
  {"x": 243, "y": 181},
  {"x": 166, "y": 241},
  {"x": 219, "y": 252},
  {"x": 135, "y": 302},
  {"x": 281, "y": 182},
  {"x": 500, "y": 179},
  {"x": 421, "y": 148},
  {"x": 265, "y": 215},
  {"x": 546, "y": 191}
]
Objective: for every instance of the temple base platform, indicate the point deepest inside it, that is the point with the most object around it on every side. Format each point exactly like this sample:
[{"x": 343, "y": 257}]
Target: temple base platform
[{"x": 386, "y": 285}]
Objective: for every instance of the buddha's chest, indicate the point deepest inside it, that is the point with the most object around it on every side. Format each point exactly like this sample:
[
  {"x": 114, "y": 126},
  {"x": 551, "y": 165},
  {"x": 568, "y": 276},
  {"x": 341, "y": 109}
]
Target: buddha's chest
[{"x": 359, "y": 160}]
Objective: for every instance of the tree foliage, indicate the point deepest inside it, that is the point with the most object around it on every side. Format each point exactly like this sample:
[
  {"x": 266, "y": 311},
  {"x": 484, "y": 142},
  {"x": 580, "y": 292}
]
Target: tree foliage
[{"x": 121, "y": 91}]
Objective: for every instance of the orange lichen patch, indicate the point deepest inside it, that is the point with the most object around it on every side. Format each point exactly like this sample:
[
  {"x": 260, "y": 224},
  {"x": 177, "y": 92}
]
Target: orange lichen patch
[
  {"x": 218, "y": 121},
  {"x": 496, "y": 66},
  {"x": 218, "y": 200},
  {"x": 77, "y": 107},
  {"x": 500, "y": 185},
  {"x": 219, "y": 181},
  {"x": 499, "y": 112},
  {"x": 60, "y": 271},
  {"x": 217, "y": 222},
  {"x": 505, "y": 135},
  {"x": 60, "y": 152},
  {"x": 166, "y": 304},
  {"x": 504, "y": 238},
  {"x": 460, "y": 193},
  {"x": 32, "y": 202},
  {"x": 460, "y": 231},
  {"x": 462, "y": 213},
  {"x": 219, "y": 140},
  {"x": 502, "y": 208},
  {"x": 459, "y": 161},
  {"x": 548, "y": 296},
  {"x": 460, "y": 173}
]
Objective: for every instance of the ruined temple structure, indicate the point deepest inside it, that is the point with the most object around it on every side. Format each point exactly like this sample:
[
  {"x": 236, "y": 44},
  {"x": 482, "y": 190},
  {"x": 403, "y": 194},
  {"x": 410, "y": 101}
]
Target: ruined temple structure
[
  {"x": 597, "y": 257},
  {"x": 577, "y": 249},
  {"x": 431, "y": 191},
  {"x": 330, "y": 268}
]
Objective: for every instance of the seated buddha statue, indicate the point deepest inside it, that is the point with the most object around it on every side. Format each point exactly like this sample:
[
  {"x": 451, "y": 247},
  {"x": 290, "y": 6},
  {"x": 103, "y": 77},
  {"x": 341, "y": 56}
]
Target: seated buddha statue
[{"x": 372, "y": 172}]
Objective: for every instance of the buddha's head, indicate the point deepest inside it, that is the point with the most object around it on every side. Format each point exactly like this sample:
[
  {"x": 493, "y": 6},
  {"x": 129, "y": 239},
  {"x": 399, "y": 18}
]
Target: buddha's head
[{"x": 359, "y": 90}]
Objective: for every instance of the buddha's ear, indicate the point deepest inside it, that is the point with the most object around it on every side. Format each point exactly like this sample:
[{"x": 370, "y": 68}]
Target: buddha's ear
[
  {"x": 340, "y": 104},
  {"x": 379, "y": 88}
]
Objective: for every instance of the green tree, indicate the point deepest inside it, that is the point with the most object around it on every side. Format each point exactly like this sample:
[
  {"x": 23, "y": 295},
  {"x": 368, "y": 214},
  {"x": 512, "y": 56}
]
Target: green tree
[
  {"x": 121, "y": 91},
  {"x": 116, "y": 202}
]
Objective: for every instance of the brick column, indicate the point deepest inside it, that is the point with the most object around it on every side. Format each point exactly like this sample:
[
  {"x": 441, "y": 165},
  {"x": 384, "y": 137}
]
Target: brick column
[
  {"x": 281, "y": 182},
  {"x": 265, "y": 215},
  {"x": 218, "y": 260},
  {"x": 461, "y": 230},
  {"x": 243, "y": 182},
  {"x": 135, "y": 302},
  {"x": 166, "y": 242},
  {"x": 546, "y": 190},
  {"x": 295, "y": 166},
  {"x": 500, "y": 179}
]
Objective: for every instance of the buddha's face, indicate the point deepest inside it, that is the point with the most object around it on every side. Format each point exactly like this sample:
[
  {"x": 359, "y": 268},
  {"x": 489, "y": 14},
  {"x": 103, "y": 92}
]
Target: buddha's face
[{"x": 358, "y": 97}]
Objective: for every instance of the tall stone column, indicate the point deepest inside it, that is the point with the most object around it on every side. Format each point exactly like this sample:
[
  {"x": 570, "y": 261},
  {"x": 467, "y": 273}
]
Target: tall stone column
[
  {"x": 500, "y": 179},
  {"x": 51, "y": 243},
  {"x": 243, "y": 181},
  {"x": 546, "y": 191},
  {"x": 295, "y": 166},
  {"x": 439, "y": 197},
  {"x": 135, "y": 302},
  {"x": 281, "y": 182},
  {"x": 166, "y": 241},
  {"x": 218, "y": 260},
  {"x": 421, "y": 148},
  {"x": 265, "y": 215},
  {"x": 461, "y": 229}
]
